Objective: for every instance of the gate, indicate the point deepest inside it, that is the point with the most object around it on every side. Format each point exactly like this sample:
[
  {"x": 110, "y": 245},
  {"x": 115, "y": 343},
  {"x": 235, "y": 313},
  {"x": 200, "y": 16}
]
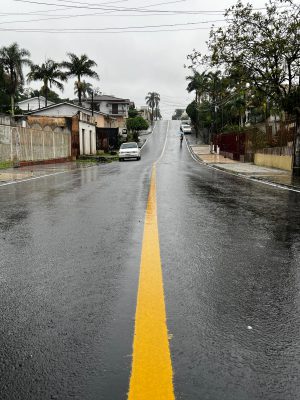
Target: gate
[{"x": 107, "y": 138}]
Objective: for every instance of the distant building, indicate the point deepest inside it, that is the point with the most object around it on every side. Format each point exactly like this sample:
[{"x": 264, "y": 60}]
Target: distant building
[
  {"x": 109, "y": 104},
  {"x": 33, "y": 103},
  {"x": 145, "y": 113}
]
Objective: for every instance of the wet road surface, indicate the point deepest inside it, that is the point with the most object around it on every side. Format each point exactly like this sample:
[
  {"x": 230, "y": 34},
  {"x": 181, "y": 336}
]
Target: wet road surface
[{"x": 69, "y": 268}]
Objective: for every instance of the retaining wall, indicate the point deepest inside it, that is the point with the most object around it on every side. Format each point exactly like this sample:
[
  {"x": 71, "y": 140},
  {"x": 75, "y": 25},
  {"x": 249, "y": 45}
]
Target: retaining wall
[{"x": 284, "y": 162}]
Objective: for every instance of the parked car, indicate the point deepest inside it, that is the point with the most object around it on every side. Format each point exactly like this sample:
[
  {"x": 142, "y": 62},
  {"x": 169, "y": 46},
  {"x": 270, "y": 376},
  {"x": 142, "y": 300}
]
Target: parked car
[
  {"x": 185, "y": 128},
  {"x": 129, "y": 150}
]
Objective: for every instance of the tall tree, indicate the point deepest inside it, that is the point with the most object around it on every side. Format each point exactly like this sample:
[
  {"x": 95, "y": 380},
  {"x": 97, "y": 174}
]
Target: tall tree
[
  {"x": 4, "y": 96},
  {"x": 50, "y": 74},
  {"x": 12, "y": 60},
  {"x": 178, "y": 113},
  {"x": 135, "y": 125},
  {"x": 152, "y": 101},
  {"x": 198, "y": 83},
  {"x": 79, "y": 67},
  {"x": 85, "y": 87},
  {"x": 157, "y": 101},
  {"x": 264, "y": 46}
]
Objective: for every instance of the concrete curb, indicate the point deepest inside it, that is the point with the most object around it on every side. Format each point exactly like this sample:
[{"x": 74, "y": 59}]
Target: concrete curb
[{"x": 149, "y": 135}]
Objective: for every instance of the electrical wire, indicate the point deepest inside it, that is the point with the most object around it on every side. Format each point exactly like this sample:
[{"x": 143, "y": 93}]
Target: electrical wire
[
  {"x": 85, "y": 30},
  {"x": 95, "y": 6},
  {"x": 91, "y": 14},
  {"x": 100, "y": 32},
  {"x": 123, "y": 9}
]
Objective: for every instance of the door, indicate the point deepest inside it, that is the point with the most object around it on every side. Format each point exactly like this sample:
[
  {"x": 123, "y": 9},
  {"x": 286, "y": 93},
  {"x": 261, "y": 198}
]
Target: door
[{"x": 115, "y": 109}]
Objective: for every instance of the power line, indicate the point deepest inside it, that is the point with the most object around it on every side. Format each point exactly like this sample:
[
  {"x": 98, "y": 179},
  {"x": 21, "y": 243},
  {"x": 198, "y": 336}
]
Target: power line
[
  {"x": 80, "y": 2},
  {"x": 106, "y": 14},
  {"x": 123, "y": 9},
  {"x": 103, "y": 32},
  {"x": 45, "y": 12},
  {"x": 91, "y": 15},
  {"x": 84, "y": 30},
  {"x": 116, "y": 28}
]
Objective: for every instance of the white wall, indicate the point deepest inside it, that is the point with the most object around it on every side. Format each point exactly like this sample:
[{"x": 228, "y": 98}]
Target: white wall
[
  {"x": 105, "y": 107},
  {"x": 87, "y": 138}
]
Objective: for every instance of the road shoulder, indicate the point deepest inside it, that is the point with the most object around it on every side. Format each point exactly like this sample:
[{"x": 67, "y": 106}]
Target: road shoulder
[{"x": 251, "y": 171}]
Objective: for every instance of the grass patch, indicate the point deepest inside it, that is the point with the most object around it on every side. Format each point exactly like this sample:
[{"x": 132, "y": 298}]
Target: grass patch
[
  {"x": 100, "y": 158},
  {"x": 5, "y": 164},
  {"x": 86, "y": 161}
]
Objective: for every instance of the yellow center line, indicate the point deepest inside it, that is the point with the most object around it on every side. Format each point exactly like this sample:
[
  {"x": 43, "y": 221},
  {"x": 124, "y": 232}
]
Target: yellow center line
[{"x": 151, "y": 374}]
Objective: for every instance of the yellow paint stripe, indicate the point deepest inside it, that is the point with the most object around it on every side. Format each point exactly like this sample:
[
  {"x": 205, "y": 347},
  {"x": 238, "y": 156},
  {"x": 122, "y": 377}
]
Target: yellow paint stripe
[{"x": 151, "y": 375}]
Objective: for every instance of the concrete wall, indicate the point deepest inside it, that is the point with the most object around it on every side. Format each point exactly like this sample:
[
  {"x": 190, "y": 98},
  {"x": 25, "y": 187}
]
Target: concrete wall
[
  {"x": 115, "y": 122},
  {"x": 42, "y": 122},
  {"x": 284, "y": 162},
  {"x": 5, "y": 143},
  {"x": 57, "y": 118},
  {"x": 100, "y": 120},
  {"x": 24, "y": 144}
]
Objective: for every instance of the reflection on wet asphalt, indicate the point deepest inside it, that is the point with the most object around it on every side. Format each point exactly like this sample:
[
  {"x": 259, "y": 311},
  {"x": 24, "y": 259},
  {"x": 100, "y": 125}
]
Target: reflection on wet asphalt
[
  {"x": 70, "y": 255},
  {"x": 231, "y": 256}
]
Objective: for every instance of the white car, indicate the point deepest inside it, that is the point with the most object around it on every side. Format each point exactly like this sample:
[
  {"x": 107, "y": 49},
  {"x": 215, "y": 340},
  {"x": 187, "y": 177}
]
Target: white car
[
  {"x": 129, "y": 150},
  {"x": 185, "y": 128}
]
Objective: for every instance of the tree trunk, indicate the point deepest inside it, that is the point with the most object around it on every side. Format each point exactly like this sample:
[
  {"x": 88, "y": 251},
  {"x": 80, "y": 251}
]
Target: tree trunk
[
  {"x": 46, "y": 96},
  {"x": 79, "y": 91},
  {"x": 12, "y": 103},
  {"x": 13, "y": 91}
]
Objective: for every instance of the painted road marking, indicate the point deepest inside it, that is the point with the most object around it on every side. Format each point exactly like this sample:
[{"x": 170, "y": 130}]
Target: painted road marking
[
  {"x": 151, "y": 374},
  {"x": 164, "y": 148},
  {"x": 33, "y": 178}
]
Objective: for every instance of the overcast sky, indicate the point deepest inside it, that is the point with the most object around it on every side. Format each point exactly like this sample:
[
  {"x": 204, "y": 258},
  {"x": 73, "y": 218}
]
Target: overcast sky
[{"x": 131, "y": 62}]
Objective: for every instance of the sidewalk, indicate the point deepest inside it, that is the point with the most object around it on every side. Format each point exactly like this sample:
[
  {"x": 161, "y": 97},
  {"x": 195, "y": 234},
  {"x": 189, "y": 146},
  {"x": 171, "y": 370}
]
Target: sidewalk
[
  {"x": 10, "y": 175},
  {"x": 249, "y": 170}
]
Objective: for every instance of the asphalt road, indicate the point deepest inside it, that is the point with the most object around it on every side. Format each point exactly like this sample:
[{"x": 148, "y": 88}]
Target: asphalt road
[{"x": 69, "y": 268}]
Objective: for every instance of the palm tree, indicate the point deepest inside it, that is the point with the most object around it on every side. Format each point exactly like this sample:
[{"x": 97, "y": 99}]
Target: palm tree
[
  {"x": 4, "y": 96},
  {"x": 79, "y": 67},
  {"x": 50, "y": 74},
  {"x": 12, "y": 60},
  {"x": 86, "y": 88},
  {"x": 152, "y": 100},
  {"x": 198, "y": 83},
  {"x": 156, "y": 101}
]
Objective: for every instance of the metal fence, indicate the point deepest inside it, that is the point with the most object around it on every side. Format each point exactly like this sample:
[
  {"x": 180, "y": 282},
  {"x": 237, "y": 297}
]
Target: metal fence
[{"x": 273, "y": 138}]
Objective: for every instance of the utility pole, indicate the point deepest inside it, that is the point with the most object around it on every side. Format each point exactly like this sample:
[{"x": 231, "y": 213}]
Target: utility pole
[{"x": 296, "y": 165}]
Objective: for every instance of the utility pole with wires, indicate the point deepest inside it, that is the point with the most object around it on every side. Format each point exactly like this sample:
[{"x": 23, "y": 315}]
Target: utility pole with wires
[{"x": 296, "y": 163}]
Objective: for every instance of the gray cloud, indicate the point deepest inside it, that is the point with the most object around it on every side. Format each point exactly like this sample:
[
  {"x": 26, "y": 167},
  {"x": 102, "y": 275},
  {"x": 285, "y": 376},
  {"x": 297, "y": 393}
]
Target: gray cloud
[{"x": 129, "y": 64}]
